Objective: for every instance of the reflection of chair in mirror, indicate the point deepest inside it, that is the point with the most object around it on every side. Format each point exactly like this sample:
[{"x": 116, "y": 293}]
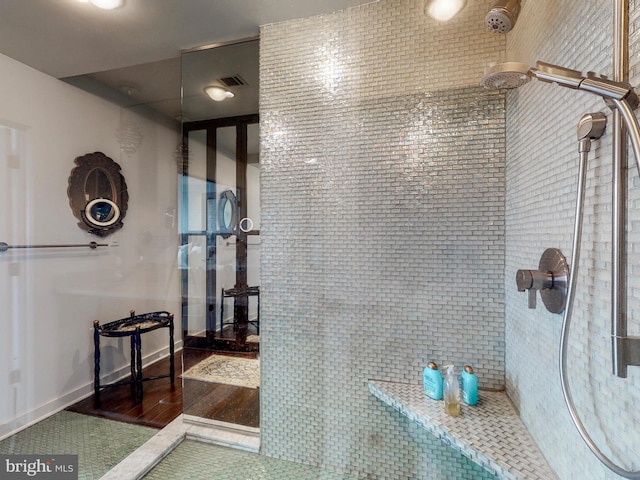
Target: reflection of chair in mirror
[{"x": 234, "y": 293}]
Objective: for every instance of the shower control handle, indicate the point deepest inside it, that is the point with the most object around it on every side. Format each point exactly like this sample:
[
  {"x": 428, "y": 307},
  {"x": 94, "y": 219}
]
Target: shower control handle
[
  {"x": 533, "y": 280},
  {"x": 550, "y": 279}
]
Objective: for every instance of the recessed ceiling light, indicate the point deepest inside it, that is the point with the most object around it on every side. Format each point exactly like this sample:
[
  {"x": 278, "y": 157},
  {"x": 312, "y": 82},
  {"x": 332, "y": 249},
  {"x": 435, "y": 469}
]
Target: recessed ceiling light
[
  {"x": 108, "y": 4},
  {"x": 218, "y": 93},
  {"x": 445, "y": 10}
]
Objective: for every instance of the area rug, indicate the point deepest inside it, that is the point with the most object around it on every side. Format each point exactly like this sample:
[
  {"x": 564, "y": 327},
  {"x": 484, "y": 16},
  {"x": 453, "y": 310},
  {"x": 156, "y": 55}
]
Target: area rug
[{"x": 242, "y": 372}]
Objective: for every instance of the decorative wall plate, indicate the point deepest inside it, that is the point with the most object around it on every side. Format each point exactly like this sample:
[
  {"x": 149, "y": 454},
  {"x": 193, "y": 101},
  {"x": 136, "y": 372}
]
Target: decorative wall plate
[{"x": 98, "y": 194}]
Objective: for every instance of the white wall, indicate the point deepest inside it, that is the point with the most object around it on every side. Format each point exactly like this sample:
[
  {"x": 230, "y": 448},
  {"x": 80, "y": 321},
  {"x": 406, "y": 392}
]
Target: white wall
[{"x": 49, "y": 297}]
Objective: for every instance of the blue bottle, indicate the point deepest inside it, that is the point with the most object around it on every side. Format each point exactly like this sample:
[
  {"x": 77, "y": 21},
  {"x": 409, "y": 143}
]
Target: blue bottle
[
  {"x": 432, "y": 380},
  {"x": 469, "y": 386}
]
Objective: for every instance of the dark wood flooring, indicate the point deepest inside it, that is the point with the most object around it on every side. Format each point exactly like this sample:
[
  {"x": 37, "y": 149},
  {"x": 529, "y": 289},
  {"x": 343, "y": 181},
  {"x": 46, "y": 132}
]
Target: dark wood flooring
[
  {"x": 162, "y": 402},
  {"x": 225, "y": 403}
]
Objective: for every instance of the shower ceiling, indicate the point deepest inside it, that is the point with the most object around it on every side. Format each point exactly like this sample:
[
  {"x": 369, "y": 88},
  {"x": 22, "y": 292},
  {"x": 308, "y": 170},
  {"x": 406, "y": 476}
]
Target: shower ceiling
[{"x": 132, "y": 54}]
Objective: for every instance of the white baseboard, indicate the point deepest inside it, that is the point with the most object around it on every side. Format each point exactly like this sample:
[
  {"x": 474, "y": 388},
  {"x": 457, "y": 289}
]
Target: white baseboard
[{"x": 51, "y": 407}]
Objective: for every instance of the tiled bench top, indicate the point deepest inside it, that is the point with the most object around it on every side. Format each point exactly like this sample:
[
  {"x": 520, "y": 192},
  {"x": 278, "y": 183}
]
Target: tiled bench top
[{"x": 491, "y": 433}]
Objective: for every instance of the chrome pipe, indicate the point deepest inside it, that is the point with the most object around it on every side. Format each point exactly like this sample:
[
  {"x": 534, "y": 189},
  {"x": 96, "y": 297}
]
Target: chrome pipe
[
  {"x": 618, "y": 247},
  {"x": 631, "y": 124},
  {"x": 619, "y": 194},
  {"x": 625, "y": 348},
  {"x": 620, "y": 41}
]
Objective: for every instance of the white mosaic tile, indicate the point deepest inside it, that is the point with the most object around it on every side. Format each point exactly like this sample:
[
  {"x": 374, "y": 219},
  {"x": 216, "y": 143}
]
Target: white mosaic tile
[
  {"x": 382, "y": 180},
  {"x": 491, "y": 433}
]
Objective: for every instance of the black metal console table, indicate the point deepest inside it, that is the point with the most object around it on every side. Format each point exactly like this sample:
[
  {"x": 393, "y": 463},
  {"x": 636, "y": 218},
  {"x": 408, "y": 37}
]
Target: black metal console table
[
  {"x": 133, "y": 326},
  {"x": 235, "y": 293}
]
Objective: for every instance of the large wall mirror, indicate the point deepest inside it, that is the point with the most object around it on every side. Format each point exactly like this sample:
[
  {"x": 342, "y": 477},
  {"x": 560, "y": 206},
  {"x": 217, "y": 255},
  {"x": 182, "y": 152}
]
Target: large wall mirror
[
  {"x": 220, "y": 229},
  {"x": 219, "y": 233}
]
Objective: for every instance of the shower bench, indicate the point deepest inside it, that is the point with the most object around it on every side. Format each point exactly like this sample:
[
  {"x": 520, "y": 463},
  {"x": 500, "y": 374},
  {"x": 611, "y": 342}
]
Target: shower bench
[
  {"x": 490, "y": 434},
  {"x": 133, "y": 326}
]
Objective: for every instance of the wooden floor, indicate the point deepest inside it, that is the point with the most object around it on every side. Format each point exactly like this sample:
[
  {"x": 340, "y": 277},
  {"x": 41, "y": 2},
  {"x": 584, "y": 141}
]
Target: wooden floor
[
  {"x": 162, "y": 402},
  {"x": 225, "y": 403}
]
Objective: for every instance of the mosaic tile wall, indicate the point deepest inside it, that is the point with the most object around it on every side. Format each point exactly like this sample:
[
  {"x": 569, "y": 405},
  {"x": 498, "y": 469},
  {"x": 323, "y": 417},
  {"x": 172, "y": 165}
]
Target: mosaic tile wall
[
  {"x": 382, "y": 229},
  {"x": 541, "y": 179}
]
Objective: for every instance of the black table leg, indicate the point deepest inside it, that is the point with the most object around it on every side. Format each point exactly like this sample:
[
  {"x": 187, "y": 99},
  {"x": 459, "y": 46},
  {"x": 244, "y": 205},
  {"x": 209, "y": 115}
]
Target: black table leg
[
  {"x": 172, "y": 368},
  {"x": 138, "y": 342},
  {"x": 96, "y": 363},
  {"x": 134, "y": 370}
]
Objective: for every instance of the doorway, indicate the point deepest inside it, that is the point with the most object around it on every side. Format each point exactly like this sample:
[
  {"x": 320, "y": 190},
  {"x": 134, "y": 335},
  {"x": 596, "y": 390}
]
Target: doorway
[{"x": 219, "y": 255}]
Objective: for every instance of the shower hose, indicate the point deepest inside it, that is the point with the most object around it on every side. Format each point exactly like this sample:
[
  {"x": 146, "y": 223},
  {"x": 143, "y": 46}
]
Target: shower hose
[{"x": 634, "y": 133}]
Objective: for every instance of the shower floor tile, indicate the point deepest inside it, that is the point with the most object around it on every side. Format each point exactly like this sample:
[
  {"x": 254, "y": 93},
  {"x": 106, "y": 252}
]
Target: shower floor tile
[
  {"x": 200, "y": 461},
  {"x": 99, "y": 443}
]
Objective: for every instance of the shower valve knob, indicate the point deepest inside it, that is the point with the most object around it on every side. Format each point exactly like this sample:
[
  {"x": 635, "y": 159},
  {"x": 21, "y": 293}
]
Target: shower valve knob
[
  {"x": 524, "y": 280},
  {"x": 550, "y": 279},
  {"x": 533, "y": 280}
]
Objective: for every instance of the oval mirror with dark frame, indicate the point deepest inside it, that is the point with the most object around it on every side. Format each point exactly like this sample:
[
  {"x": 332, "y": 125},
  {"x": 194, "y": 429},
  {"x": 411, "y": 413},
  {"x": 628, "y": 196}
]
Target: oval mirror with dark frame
[
  {"x": 98, "y": 194},
  {"x": 227, "y": 213}
]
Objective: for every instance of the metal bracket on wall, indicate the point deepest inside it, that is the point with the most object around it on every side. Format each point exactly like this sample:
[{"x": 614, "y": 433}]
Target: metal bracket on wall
[
  {"x": 550, "y": 279},
  {"x": 630, "y": 349}
]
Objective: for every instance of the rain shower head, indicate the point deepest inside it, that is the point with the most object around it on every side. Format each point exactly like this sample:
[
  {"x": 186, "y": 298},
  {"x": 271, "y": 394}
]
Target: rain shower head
[{"x": 503, "y": 15}]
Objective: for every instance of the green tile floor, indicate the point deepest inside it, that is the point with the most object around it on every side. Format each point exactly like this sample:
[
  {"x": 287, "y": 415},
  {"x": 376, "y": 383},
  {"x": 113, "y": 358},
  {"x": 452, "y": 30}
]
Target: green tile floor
[
  {"x": 200, "y": 461},
  {"x": 99, "y": 443}
]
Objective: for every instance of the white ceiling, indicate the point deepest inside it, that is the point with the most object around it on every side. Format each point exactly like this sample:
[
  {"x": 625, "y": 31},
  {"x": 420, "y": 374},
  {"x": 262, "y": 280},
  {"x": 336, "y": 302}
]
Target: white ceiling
[{"x": 138, "y": 44}]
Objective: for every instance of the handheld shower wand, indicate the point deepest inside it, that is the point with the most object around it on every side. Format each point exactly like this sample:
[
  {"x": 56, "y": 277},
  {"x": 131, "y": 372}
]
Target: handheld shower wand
[
  {"x": 618, "y": 95},
  {"x": 510, "y": 75}
]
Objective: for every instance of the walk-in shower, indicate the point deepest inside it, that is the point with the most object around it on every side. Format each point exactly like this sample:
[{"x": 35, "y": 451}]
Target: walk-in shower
[{"x": 620, "y": 97}]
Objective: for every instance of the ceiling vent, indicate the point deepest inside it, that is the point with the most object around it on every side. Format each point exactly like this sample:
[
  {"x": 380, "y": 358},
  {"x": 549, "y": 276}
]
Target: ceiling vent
[{"x": 233, "y": 81}]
